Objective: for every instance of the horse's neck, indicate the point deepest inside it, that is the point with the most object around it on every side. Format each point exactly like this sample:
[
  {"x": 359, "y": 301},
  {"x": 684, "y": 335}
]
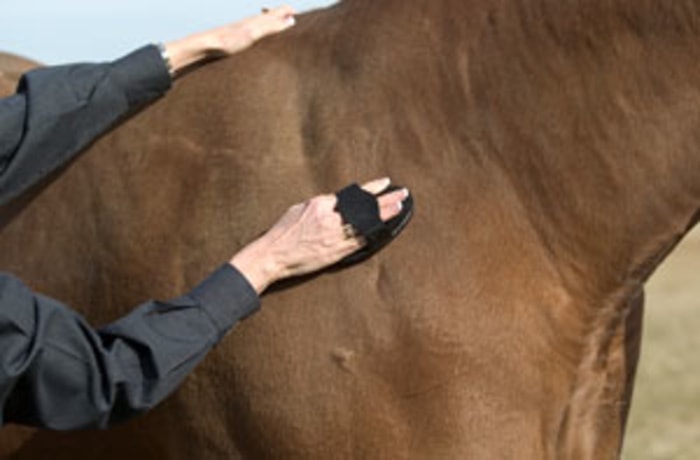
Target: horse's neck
[{"x": 594, "y": 110}]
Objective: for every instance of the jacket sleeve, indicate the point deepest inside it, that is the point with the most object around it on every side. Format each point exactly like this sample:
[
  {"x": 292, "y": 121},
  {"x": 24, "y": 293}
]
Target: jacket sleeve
[
  {"x": 58, "y": 111},
  {"x": 57, "y": 372}
]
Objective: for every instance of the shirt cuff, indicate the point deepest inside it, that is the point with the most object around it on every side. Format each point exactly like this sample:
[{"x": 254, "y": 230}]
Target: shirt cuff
[
  {"x": 227, "y": 296},
  {"x": 143, "y": 75}
]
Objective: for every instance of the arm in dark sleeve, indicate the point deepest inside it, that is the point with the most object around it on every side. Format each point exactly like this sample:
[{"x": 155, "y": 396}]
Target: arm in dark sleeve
[
  {"x": 57, "y": 372},
  {"x": 58, "y": 111}
]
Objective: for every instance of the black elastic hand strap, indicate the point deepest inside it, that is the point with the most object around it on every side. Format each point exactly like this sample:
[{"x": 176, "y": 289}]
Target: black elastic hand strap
[{"x": 360, "y": 209}]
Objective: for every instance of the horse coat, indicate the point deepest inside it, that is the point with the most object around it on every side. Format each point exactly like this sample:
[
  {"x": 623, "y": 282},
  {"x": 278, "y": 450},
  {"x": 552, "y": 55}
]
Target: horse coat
[{"x": 551, "y": 148}]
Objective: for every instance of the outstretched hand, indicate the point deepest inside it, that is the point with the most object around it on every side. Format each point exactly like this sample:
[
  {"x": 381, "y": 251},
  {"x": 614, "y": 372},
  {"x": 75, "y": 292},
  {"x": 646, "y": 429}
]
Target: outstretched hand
[
  {"x": 238, "y": 36},
  {"x": 229, "y": 39},
  {"x": 308, "y": 238}
]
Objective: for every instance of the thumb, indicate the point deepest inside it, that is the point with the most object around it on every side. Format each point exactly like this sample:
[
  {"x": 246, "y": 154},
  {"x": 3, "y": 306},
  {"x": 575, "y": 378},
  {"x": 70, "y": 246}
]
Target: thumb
[{"x": 376, "y": 186}]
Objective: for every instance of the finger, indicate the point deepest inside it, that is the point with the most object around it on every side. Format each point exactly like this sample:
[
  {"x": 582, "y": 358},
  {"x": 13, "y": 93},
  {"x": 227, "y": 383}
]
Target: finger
[
  {"x": 391, "y": 204},
  {"x": 283, "y": 13},
  {"x": 351, "y": 245},
  {"x": 272, "y": 21},
  {"x": 271, "y": 25},
  {"x": 376, "y": 186}
]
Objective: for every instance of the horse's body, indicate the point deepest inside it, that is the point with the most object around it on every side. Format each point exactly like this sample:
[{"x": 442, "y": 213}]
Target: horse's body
[
  {"x": 11, "y": 68},
  {"x": 552, "y": 149}
]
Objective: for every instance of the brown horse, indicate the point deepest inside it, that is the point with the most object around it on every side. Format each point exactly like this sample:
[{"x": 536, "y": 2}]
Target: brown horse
[
  {"x": 6, "y": 86},
  {"x": 552, "y": 149},
  {"x": 12, "y": 67}
]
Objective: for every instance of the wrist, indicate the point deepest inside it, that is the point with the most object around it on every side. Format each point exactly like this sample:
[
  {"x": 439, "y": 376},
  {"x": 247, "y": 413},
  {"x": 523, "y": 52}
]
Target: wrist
[
  {"x": 190, "y": 50},
  {"x": 165, "y": 55},
  {"x": 257, "y": 264}
]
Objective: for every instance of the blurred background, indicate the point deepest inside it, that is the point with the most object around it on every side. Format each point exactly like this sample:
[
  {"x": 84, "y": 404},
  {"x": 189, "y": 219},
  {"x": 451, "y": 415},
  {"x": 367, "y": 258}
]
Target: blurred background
[{"x": 665, "y": 419}]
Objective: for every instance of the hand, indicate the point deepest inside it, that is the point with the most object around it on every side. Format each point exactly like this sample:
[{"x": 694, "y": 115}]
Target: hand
[
  {"x": 228, "y": 39},
  {"x": 307, "y": 238}
]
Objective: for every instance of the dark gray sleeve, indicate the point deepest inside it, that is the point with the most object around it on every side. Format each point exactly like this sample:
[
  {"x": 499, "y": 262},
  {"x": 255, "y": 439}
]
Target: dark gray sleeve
[
  {"x": 57, "y": 372},
  {"x": 58, "y": 111}
]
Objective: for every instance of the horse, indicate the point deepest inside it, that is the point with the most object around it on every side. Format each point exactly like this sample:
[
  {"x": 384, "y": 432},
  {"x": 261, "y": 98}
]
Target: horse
[
  {"x": 551, "y": 148},
  {"x": 12, "y": 67}
]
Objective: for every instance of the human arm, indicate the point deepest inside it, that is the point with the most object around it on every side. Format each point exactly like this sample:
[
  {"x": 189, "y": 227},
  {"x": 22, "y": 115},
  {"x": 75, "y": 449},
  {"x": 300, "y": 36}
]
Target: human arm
[
  {"x": 58, "y": 111},
  {"x": 226, "y": 40},
  {"x": 57, "y": 372}
]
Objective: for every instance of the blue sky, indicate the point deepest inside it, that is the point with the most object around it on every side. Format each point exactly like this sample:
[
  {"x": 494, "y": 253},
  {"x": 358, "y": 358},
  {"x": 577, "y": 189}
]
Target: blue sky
[{"x": 61, "y": 31}]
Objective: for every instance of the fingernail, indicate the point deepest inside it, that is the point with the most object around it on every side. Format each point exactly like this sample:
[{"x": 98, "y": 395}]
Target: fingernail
[
  {"x": 290, "y": 21},
  {"x": 400, "y": 205},
  {"x": 405, "y": 193}
]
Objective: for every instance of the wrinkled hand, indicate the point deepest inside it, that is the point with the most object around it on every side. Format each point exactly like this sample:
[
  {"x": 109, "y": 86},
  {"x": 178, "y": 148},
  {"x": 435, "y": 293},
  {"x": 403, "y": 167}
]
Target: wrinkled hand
[
  {"x": 307, "y": 238},
  {"x": 229, "y": 39}
]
